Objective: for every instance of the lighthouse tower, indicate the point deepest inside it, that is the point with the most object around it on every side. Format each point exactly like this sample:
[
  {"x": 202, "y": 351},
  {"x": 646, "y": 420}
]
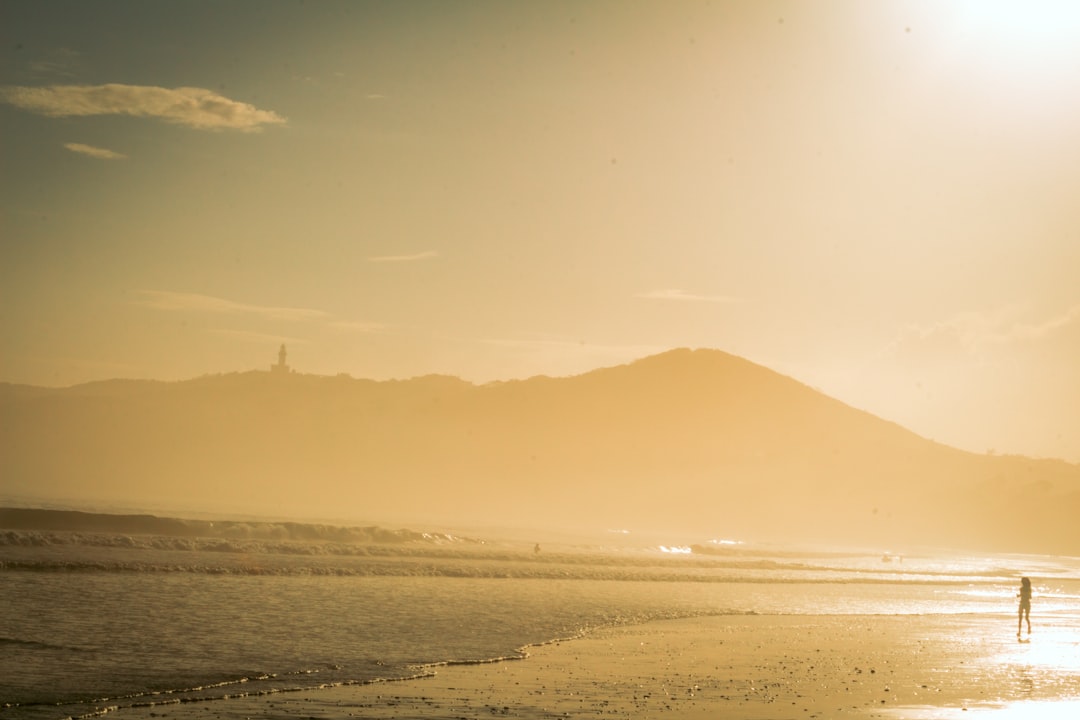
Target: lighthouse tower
[{"x": 281, "y": 368}]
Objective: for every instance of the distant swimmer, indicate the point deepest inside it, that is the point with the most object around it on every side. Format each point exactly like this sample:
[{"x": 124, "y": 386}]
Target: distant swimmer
[{"x": 1025, "y": 606}]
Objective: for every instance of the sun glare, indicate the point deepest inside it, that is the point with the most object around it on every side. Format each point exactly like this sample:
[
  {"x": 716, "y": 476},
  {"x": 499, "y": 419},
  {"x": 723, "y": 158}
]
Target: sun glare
[
  {"x": 1013, "y": 58},
  {"x": 1021, "y": 30},
  {"x": 1035, "y": 19}
]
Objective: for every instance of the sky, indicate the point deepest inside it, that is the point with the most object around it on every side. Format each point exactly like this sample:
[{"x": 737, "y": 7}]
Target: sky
[{"x": 877, "y": 199}]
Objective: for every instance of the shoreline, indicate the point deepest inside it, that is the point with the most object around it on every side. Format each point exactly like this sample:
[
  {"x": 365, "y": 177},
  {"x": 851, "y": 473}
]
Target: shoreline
[{"x": 748, "y": 666}]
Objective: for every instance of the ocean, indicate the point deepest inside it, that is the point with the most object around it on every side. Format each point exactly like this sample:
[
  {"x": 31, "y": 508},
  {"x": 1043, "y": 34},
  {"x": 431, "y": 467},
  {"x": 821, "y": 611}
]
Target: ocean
[{"x": 101, "y": 613}]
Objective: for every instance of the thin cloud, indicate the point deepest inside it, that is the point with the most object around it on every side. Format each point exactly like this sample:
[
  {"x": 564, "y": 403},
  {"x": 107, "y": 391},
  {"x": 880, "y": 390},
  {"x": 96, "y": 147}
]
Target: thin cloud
[
  {"x": 1047, "y": 327},
  {"x": 428, "y": 255},
  {"x": 53, "y": 65},
  {"x": 957, "y": 336},
  {"x": 58, "y": 63},
  {"x": 190, "y": 106},
  {"x": 194, "y": 302},
  {"x": 94, "y": 152},
  {"x": 972, "y": 332},
  {"x": 49, "y": 68},
  {"x": 164, "y": 300},
  {"x": 672, "y": 294}
]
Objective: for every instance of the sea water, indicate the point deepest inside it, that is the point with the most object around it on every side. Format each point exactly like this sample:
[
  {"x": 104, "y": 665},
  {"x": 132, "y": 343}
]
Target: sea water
[{"x": 106, "y": 620}]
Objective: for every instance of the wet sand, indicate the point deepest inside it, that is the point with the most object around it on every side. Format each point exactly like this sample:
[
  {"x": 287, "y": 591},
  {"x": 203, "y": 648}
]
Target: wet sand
[{"x": 753, "y": 667}]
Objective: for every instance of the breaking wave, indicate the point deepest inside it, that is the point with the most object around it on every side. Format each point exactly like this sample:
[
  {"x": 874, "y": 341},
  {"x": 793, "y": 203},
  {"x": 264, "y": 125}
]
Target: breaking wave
[
  {"x": 78, "y": 542},
  {"x": 181, "y": 532}
]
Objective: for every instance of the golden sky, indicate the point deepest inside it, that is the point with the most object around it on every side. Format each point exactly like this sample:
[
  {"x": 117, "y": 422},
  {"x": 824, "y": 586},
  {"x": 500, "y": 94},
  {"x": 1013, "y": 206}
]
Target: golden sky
[{"x": 876, "y": 198}]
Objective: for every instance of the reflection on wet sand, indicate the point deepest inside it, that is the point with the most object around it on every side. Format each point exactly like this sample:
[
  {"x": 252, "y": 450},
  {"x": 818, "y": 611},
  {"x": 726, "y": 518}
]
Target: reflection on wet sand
[
  {"x": 1028, "y": 710},
  {"x": 1050, "y": 646},
  {"x": 1046, "y": 663}
]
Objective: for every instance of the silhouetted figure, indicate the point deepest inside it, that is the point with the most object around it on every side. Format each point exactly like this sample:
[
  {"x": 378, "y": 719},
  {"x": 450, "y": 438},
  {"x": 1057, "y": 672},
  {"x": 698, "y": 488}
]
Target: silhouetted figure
[
  {"x": 536, "y": 550},
  {"x": 1025, "y": 605}
]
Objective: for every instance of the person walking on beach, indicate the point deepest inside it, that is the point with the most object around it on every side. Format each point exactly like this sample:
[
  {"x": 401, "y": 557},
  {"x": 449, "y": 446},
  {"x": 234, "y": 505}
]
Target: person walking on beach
[{"x": 1025, "y": 605}]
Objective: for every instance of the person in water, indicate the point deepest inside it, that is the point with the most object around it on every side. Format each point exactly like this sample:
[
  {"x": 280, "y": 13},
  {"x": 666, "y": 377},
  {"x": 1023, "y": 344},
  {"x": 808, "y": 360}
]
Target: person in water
[{"x": 1025, "y": 605}]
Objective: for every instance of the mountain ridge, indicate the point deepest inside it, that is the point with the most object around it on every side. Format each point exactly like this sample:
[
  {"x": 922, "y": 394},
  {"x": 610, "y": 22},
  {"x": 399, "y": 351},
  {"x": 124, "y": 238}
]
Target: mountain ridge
[{"x": 698, "y": 442}]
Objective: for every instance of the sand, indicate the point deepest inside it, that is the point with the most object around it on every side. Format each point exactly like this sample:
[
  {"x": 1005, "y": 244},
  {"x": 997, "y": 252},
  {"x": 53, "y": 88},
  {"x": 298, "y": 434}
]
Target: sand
[{"x": 752, "y": 667}]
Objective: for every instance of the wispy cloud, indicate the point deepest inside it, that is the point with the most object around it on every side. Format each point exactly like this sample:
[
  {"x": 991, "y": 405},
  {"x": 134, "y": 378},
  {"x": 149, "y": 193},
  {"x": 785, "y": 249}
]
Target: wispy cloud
[
  {"x": 428, "y": 255},
  {"x": 164, "y": 300},
  {"x": 194, "y": 107},
  {"x": 955, "y": 337},
  {"x": 57, "y": 63},
  {"x": 1037, "y": 331},
  {"x": 672, "y": 294},
  {"x": 94, "y": 152},
  {"x": 194, "y": 302},
  {"x": 972, "y": 332}
]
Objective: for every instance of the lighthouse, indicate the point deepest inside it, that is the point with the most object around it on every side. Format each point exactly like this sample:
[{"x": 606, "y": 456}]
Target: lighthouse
[{"x": 281, "y": 368}]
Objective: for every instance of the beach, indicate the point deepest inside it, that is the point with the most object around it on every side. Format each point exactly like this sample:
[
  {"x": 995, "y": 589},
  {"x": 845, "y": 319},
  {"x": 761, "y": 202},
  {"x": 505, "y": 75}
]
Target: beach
[
  {"x": 754, "y": 667},
  {"x": 255, "y": 625}
]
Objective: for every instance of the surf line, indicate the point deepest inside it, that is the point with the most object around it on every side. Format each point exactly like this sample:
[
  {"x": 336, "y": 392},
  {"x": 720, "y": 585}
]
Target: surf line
[{"x": 520, "y": 653}]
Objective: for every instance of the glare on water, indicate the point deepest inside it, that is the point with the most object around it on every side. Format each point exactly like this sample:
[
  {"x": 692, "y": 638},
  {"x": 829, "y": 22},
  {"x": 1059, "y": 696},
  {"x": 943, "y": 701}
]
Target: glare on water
[
  {"x": 1055, "y": 647},
  {"x": 1044, "y": 660},
  {"x": 1029, "y": 710}
]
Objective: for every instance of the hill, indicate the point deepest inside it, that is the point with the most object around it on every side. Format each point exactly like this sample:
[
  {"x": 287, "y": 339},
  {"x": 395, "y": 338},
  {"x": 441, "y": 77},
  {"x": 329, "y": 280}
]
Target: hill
[{"x": 699, "y": 443}]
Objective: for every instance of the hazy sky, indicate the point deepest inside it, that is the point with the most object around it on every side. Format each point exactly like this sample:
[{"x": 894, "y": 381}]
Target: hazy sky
[{"x": 879, "y": 199}]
